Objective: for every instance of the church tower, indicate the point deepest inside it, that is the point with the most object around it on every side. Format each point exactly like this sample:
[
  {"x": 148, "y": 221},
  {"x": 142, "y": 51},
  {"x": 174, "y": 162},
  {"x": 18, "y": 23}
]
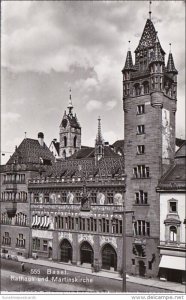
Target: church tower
[
  {"x": 70, "y": 133},
  {"x": 149, "y": 103}
]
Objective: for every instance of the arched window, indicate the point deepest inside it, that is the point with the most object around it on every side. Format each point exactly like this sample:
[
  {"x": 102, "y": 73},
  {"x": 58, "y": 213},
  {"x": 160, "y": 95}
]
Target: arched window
[
  {"x": 146, "y": 87},
  {"x": 137, "y": 89},
  {"x": 65, "y": 141},
  {"x": 75, "y": 140},
  {"x": 173, "y": 233}
]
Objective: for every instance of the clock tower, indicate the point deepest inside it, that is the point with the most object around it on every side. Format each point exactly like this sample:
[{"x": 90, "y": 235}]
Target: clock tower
[
  {"x": 70, "y": 133},
  {"x": 149, "y": 102}
]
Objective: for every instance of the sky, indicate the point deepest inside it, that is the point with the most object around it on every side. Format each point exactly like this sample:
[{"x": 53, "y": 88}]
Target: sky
[{"x": 48, "y": 47}]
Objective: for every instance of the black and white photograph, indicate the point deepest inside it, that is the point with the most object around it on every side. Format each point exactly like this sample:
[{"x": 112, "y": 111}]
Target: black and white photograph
[{"x": 93, "y": 149}]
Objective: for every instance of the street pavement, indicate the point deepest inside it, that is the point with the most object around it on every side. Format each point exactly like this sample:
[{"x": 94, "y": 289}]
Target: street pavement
[{"x": 93, "y": 282}]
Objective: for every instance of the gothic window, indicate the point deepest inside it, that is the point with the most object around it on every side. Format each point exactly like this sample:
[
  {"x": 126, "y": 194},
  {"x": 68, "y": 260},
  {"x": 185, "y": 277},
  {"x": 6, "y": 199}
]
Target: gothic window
[
  {"x": 65, "y": 141},
  {"x": 64, "y": 197},
  {"x": 137, "y": 89},
  {"x": 6, "y": 239},
  {"x": 110, "y": 198},
  {"x": 45, "y": 245},
  {"x": 36, "y": 244},
  {"x": 20, "y": 241},
  {"x": 141, "y": 197},
  {"x": 141, "y": 171},
  {"x": 140, "y": 149},
  {"x": 46, "y": 198},
  {"x": 140, "y": 129},
  {"x": 93, "y": 197},
  {"x": 78, "y": 196},
  {"x": 75, "y": 141},
  {"x": 146, "y": 87},
  {"x": 142, "y": 228},
  {"x": 173, "y": 234},
  {"x": 140, "y": 109}
]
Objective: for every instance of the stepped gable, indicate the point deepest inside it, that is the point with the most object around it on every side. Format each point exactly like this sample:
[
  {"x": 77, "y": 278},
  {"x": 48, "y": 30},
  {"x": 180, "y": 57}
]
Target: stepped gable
[{"x": 30, "y": 151}]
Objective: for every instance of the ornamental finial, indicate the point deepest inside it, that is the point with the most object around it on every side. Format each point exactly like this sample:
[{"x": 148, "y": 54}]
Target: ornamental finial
[{"x": 150, "y": 2}]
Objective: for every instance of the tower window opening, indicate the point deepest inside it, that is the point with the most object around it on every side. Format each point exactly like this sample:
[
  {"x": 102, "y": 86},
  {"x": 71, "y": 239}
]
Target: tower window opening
[
  {"x": 140, "y": 109},
  {"x": 75, "y": 141},
  {"x": 140, "y": 149},
  {"x": 140, "y": 129},
  {"x": 65, "y": 141}
]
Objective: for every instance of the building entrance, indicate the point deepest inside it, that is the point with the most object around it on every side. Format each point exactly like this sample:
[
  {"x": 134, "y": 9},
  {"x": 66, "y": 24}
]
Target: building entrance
[
  {"x": 109, "y": 258},
  {"x": 142, "y": 268},
  {"x": 66, "y": 251},
  {"x": 86, "y": 253}
]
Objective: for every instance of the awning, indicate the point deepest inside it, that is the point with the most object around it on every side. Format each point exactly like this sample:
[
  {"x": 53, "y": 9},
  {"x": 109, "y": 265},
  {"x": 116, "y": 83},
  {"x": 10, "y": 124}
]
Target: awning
[{"x": 173, "y": 262}]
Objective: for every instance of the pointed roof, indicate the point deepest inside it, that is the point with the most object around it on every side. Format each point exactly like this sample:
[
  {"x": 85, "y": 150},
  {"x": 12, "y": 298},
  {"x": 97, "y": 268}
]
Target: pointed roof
[
  {"x": 30, "y": 151},
  {"x": 157, "y": 53},
  {"x": 148, "y": 37},
  {"x": 128, "y": 63},
  {"x": 170, "y": 65}
]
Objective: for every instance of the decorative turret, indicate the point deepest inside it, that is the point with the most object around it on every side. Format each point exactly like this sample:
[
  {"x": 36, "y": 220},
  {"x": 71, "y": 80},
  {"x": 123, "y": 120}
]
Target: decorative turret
[
  {"x": 157, "y": 55},
  {"x": 99, "y": 143},
  {"x": 70, "y": 132},
  {"x": 170, "y": 64},
  {"x": 128, "y": 68},
  {"x": 171, "y": 77}
]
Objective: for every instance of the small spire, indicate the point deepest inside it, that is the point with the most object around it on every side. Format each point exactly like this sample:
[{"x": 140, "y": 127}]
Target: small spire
[
  {"x": 128, "y": 63},
  {"x": 25, "y": 134},
  {"x": 99, "y": 138},
  {"x": 70, "y": 106},
  {"x": 150, "y": 2},
  {"x": 170, "y": 64}
]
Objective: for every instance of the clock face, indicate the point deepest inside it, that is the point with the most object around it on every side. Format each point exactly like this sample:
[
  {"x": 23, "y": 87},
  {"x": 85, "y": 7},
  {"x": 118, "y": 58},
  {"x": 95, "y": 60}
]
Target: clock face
[{"x": 64, "y": 123}]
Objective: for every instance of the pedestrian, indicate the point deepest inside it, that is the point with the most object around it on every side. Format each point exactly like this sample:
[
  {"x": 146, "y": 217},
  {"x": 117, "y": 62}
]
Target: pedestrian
[{"x": 22, "y": 267}]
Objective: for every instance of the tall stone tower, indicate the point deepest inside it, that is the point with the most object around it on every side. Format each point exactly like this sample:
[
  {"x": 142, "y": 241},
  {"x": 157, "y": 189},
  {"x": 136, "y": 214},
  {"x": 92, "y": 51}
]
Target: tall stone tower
[
  {"x": 149, "y": 103},
  {"x": 70, "y": 133}
]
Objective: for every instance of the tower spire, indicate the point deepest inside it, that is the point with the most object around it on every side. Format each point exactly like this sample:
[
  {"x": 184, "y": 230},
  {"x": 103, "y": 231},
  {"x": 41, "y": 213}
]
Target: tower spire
[
  {"x": 70, "y": 106},
  {"x": 150, "y": 2},
  {"x": 99, "y": 138}
]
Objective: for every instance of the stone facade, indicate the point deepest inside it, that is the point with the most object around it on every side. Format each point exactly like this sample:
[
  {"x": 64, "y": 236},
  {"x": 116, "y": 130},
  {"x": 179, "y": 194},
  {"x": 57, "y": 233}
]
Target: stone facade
[{"x": 149, "y": 127}]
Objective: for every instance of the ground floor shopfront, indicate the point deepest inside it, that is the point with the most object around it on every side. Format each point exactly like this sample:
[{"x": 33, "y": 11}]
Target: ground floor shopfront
[{"x": 173, "y": 267}]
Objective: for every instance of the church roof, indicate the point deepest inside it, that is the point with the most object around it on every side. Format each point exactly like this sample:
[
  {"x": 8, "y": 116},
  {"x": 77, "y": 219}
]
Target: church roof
[
  {"x": 170, "y": 65},
  {"x": 30, "y": 151},
  {"x": 148, "y": 37},
  {"x": 90, "y": 153}
]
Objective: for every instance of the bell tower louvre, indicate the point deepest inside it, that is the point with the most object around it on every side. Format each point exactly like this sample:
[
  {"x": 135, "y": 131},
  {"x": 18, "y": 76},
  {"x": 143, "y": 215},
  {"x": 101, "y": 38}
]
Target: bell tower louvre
[{"x": 149, "y": 103}]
